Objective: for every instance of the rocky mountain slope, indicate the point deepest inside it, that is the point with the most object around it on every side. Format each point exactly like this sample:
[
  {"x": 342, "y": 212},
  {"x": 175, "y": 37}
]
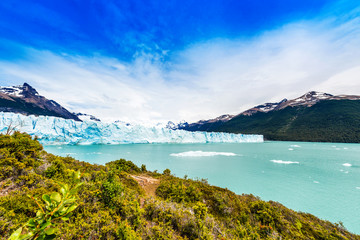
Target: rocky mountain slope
[
  {"x": 26, "y": 100},
  {"x": 312, "y": 117}
]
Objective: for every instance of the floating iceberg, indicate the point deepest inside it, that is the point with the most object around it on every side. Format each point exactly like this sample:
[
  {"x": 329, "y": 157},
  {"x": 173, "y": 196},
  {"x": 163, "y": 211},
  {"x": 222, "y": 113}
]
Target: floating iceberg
[
  {"x": 53, "y": 130},
  {"x": 283, "y": 162},
  {"x": 202, "y": 154}
]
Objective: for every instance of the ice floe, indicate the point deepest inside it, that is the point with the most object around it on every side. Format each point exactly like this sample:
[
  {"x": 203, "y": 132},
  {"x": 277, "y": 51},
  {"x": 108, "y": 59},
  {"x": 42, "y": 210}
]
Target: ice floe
[
  {"x": 283, "y": 162},
  {"x": 202, "y": 154}
]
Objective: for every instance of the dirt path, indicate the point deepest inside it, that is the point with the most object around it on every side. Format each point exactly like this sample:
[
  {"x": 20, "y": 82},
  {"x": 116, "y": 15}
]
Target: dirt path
[{"x": 149, "y": 184}]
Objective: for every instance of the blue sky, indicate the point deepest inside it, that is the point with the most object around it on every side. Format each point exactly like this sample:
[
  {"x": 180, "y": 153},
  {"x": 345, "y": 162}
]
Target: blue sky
[
  {"x": 173, "y": 60},
  {"x": 122, "y": 28}
]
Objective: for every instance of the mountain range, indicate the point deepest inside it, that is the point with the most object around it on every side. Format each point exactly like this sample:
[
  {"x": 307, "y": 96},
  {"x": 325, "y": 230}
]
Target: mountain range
[{"x": 313, "y": 116}]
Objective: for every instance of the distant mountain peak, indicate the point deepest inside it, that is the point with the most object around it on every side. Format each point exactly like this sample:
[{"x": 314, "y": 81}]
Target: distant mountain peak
[
  {"x": 308, "y": 99},
  {"x": 27, "y": 89},
  {"x": 312, "y": 95},
  {"x": 26, "y": 100},
  {"x": 19, "y": 91}
]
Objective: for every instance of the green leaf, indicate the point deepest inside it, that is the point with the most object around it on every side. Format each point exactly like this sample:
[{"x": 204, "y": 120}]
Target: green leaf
[
  {"x": 62, "y": 210},
  {"x": 39, "y": 217},
  {"x": 65, "y": 219},
  {"x": 45, "y": 225},
  {"x": 78, "y": 185},
  {"x": 26, "y": 236},
  {"x": 56, "y": 197},
  {"x": 46, "y": 198},
  {"x": 69, "y": 214},
  {"x": 72, "y": 208},
  {"x": 31, "y": 223},
  {"x": 51, "y": 231},
  {"x": 16, "y": 234},
  {"x": 68, "y": 201}
]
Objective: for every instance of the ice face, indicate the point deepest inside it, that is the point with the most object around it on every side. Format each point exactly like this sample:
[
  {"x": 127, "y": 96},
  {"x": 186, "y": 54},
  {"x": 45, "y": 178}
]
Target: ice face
[{"x": 53, "y": 130}]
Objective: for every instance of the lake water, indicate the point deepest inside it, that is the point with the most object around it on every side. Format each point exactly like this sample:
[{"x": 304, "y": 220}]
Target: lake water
[{"x": 320, "y": 178}]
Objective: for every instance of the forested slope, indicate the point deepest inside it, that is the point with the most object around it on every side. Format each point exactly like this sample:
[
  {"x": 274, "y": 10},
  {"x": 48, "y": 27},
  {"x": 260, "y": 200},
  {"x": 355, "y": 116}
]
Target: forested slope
[{"x": 326, "y": 121}]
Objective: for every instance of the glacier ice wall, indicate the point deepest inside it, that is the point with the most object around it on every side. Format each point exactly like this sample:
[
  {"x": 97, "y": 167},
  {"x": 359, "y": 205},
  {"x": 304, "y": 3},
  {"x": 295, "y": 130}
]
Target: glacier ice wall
[{"x": 53, "y": 130}]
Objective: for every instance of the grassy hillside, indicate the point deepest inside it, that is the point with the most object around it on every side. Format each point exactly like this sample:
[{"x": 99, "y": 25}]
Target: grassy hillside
[
  {"x": 326, "y": 121},
  {"x": 122, "y": 201}
]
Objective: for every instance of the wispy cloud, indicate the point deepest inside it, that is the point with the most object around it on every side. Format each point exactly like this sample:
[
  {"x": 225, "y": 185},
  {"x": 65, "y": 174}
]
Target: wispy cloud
[{"x": 205, "y": 79}]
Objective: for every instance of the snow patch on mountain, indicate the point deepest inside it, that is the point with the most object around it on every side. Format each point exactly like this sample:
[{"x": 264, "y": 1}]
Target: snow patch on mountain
[
  {"x": 12, "y": 91},
  {"x": 19, "y": 90},
  {"x": 87, "y": 117}
]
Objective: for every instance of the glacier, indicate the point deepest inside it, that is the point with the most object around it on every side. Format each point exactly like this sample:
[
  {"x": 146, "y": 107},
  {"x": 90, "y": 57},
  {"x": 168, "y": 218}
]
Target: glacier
[{"x": 54, "y": 130}]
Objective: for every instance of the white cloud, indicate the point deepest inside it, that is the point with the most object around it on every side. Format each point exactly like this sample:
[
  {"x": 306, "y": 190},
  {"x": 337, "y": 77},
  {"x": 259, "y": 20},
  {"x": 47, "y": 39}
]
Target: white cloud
[{"x": 203, "y": 81}]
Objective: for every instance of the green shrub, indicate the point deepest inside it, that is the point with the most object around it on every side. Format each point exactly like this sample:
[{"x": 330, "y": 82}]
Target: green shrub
[
  {"x": 18, "y": 153},
  {"x": 56, "y": 170},
  {"x": 125, "y": 232},
  {"x": 123, "y": 165},
  {"x": 110, "y": 189},
  {"x": 167, "y": 172},
  {"x": 178, "y": 190},
  {"x": 143, "y": 168}
]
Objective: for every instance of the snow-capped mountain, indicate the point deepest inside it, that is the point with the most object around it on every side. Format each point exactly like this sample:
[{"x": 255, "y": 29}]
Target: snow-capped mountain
[
  {"x": 19, "y": 91},
  {"x": 308, "y": 99},
  {"x": 26, "y": 100},
  {"x": 266, "y": 107}
]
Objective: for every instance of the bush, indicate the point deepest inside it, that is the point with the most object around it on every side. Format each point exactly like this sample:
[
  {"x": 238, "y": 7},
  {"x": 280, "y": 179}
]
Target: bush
[
  {"x": 57, "y": 169},
  {"x": 110, "y": 189},
  {"x": 125, "y": 232},
  {"x": 178, "y": 190},
  {"x": 18, "y": 153},
  {"x": 143, "y": 168},
  {"x": 167, "y": 172},
  {"x": 123, "y": 165}
]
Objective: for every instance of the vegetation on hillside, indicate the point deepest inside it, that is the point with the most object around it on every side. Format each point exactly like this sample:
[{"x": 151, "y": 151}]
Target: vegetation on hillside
[
  {"x": 326, "y": 121},
  {"x": 112, "y": 204}
]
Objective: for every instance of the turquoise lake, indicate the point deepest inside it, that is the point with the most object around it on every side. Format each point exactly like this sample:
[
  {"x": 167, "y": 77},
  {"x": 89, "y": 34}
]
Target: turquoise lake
[{"x": 319, "y": 178}]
